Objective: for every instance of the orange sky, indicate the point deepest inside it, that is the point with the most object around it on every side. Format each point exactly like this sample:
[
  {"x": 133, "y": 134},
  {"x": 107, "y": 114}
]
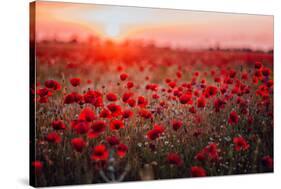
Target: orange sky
[{"x": 182, "y": 28}]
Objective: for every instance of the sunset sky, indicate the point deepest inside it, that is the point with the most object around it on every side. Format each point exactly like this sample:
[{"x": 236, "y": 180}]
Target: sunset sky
[{"x": 177, "y": 28}]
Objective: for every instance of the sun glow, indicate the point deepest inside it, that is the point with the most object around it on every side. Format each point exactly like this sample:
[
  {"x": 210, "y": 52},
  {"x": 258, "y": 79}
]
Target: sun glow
[{"x": 112, "y": 30}]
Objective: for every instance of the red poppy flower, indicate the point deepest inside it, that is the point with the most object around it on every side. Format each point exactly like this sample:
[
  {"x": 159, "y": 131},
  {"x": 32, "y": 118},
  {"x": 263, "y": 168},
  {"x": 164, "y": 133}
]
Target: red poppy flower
[
  {"x": 267, "y": 162},
  {"x": 142, "y": 102},
  {"x": 211, "y": 91},
  {"x": 240, "y": 144},
  {"x": 192, "y": 110},
  {"x": 201, "y": 102},
  {"x": 269, "y": 83},
  {"x": 244, "y": 76},
  {"x": 100, "y": 153},
  {"x": 87, "y": 114},
  {"x": 73, "y": 98},
  {"x": 219, "y": 104},
  {"x": 232, "y": 73},
  {"x": 258, "y": 65},
  {"x": 217, "y": 79},
  {"x": 172, "y": 84},
  {"x": 151, "y": 86},
  {"x": 43, "y": 92},
  {"x": 176, "y": 124},
  {"x": 200, "y": 156},
  {"x": 80, "y": 126},
  {"x": 78, "y": 144},
  {"x": 145, "y": 113},
  {"x": 123, "y": 76},
  {"x": 43, "y": 100},
  {"x": 52, "y": 84},
  {"x": 126, "y": 96},
  {"x": 58, "y": 125},
  {"x": 94, "y": 98},
  {"x": 116, "y": 124},
  {"x": 53, "y": 137},
  {"x": 68, "y": 99},
  {"x": 127, "y": 114},
  {"x": 198, "y": 171},
  {"x": 186, "y": 99},
  {"x": 155, "y": 96},
  {"x": 112, "y": 140},
  {"x": 266, "y": 71},
  {"x": 121, "y": 150},
  {"x": 105, "y": 113},
  {"x": 155, "y": 132},
  {"x": 111, "y": 97},
  {"x": 210, "y": 152},
  {"x": 114, "y": 109},
  {"x": 97, "y": 128},
  {"x": 130, "y": 84},
  {"x": 131, "y": 102},
  {"x": 233, "y": 118},
  {"x": 174, "y": 159},
  {"x": 75, "y": 81},
  {"x": 38, "y": 166},
  {"x": 179, "y": 74}
]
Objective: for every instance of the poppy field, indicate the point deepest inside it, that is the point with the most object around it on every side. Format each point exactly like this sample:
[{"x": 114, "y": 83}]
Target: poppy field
[{"x": 113, "y": 112}]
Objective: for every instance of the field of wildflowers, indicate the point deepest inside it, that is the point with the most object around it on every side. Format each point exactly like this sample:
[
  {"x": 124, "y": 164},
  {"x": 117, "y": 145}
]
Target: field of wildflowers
[{"x": 112, "y": 112}]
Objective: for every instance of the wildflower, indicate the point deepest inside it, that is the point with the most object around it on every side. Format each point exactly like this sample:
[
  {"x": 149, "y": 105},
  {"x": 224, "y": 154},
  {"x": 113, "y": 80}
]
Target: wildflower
[
  {"x": 75, "y": 81},
  {"x": 100, "y": 153},
  {"x": 78, "y": 144}
]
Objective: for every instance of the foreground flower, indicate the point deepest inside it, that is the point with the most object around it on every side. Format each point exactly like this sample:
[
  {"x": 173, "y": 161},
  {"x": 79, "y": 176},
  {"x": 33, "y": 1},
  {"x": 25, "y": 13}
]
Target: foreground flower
[
  {"x": 78, "y": 144},
  {"x": 58, "y": 125},
  {"x": 112, "y": 140},
  {"x": 155, "y": 132},
  {"x": 94, "y": 98},
  {"x": 126, "y": 96},
  {"x": 75, "y": 82},
  {"x": 219, "y": 104},
  {"x": 98, "y": 127},
  {"x": 211, "y": 91},
  {"x": 73, "y": 98},
  {"x": 80, "y": 126},
  {"x": 210, "y": 152},
  {"x": 201, "y": 102},
  {"x": 174, "y": 159},
  {"x": 185, "y": 99},
  {"x": 176, "y": 124},
  {"x": 145, "y": 114},
  {"x": 52, "y": 84},
  {"x": 44, "y": 92},
  {"x": 100, "y": 153},
  {"x": 38, "y": 165},
  {"x": 267, "y": 162},
  {"x": 114, "y": 109},
  {"x": 198, "y": 171},
  {"x": 123, "y": 76},
  {"x": 142, "y": 102},
  {"x": 111, "y": 97},
  {"x": 258, "y": 65},
  {"x": 105, "y": 113},
  {"x": 121, "y": 150},
  {"x": 87, "y": 114},
  {"x": 233, "y": 118},
  {"x": 53, "y": 137},
  {"x": 130, "y": 84},
  {"x": 240, "y": 144},
  {"x": 116, "y": 124},
  {"x": 127, "y": 114}
]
